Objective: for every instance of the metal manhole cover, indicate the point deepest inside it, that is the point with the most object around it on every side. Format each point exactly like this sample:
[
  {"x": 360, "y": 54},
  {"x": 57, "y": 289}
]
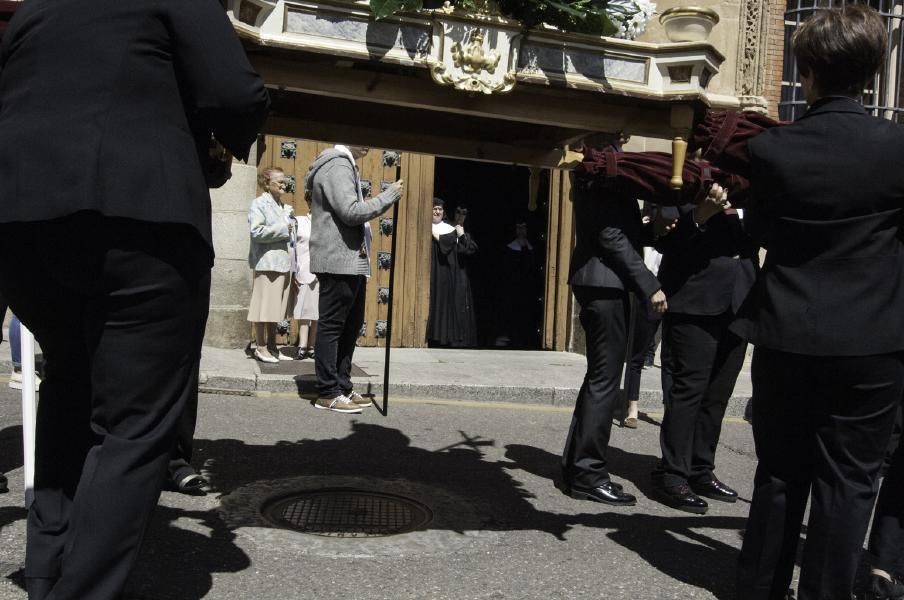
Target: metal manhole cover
[{"x": 342, "y": 512}]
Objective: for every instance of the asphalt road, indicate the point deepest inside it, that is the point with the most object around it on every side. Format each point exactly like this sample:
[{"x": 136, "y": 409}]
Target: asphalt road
[{"x": 500, "y": 530}]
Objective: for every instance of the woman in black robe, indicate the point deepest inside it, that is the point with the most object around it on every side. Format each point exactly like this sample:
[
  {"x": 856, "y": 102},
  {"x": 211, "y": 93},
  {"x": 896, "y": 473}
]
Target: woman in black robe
[{"x": 451, "y": 322}]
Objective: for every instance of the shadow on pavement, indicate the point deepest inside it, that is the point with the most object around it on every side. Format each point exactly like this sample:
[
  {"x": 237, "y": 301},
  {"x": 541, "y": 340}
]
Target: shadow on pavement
[
  {"x": 177, "y": 563},
  {"x": 10, "y": 448},
  {"x": 671, "y": 544},
  {"x": 674, "y": 545}
]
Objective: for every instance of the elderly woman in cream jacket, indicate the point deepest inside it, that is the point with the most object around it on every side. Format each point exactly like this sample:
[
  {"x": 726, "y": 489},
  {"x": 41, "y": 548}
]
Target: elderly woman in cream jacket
[{"x": 271, "y": 226}]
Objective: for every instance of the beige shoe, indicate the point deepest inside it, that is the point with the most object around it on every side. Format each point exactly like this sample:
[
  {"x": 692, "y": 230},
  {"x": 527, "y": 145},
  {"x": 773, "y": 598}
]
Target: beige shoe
[
  {"x": 264, "y": 356},
  {"x": 631, "y": 418},
  {"x": 15, "y": 380},
  {"x": 359, "y": 400},
  {"x": 339, "y": 404}
]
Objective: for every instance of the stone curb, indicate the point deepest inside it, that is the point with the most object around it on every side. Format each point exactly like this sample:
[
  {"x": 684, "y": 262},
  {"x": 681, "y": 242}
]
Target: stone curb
[{"x": 560, "y": 397}]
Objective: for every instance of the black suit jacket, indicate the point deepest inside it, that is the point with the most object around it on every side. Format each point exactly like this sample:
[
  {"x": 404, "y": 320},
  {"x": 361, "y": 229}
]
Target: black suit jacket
[
  {"x": 610, "y": 236},
  {"x": 707, "y": 270},
  {"x": 828, "y": 202},
  {"x": 108, "y": 106}
]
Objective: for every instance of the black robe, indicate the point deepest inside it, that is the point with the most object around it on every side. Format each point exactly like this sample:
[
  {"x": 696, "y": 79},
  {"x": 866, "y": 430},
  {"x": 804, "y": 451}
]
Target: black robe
[
  {"x": 451, "y": 321},
  {"x": 518, "y": 308}
]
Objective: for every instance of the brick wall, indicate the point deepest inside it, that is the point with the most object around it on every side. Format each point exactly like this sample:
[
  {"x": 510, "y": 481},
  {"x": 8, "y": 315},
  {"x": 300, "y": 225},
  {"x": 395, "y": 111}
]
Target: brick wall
[{"x": 774, "y": 48}]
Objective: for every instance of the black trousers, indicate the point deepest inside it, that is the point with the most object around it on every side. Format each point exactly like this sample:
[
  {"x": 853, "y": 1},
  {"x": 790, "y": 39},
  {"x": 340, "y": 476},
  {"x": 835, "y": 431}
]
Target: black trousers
[
  {"x": 604, "y": 313},
  {"x": 180, "y": 462},
  {"x": 821, "y": 427},
  {"x": 704, "y": 360},
  {"x": 886, "y": 540},
  {"x": 645, "y": 329},
  {"x": 341, "y": 316},
  {"x": 119, "y": 308}
]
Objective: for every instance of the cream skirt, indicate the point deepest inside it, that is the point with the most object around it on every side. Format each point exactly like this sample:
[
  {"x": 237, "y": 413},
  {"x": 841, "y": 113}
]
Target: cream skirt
[
  {"x": 307, "y": 302},
  {"x": 269, "y": 297}
]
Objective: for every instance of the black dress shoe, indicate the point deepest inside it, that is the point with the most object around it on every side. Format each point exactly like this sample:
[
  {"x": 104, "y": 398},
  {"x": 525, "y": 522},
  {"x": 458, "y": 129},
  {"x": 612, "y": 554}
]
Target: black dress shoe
[
  {"x": 681, "y": 497},
  {"x": 4, "y": 485},
  {"x": 881, "y": 588},
  {"x": 607, "y": 492},
  {"x": 715, "y": 490},
  {"x": 186, "y": 481},
  {"x": 565, "y": 487}
]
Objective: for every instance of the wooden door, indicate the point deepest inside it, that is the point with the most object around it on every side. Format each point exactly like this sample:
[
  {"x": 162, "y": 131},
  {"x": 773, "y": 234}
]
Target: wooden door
[
  {"x": 412, "y": 257},
  {"x": 560, "y": 233}
]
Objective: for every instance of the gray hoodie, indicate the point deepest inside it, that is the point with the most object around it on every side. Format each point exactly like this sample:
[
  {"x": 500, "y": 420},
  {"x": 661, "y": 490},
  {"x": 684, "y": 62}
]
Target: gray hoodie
[{"x": 338, "y": 214}]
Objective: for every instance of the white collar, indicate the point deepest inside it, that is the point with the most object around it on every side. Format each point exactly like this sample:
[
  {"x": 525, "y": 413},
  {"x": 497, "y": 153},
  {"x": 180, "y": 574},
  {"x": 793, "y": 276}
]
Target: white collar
[{"x": 442, "y": 228}]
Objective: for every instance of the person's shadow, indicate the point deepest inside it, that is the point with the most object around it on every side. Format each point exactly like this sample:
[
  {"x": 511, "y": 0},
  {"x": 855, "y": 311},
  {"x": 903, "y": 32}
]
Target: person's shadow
[
  {"x": 674, "y": 545},
  {"x": 11, "y": 448},
  {"x": 187, "y": 557}
]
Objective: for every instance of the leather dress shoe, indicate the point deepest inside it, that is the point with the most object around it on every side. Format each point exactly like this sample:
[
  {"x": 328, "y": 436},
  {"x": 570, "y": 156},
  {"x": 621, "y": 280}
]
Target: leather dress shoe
[
  {"x": 881, "y": 588},
  {"x": 607, "y": 492},
  {"x": 682, "y": 498},
  {"x": 565, "y": 487},
  {"x": 715, "y": 490},
  {"x": 4, "y": 485}
]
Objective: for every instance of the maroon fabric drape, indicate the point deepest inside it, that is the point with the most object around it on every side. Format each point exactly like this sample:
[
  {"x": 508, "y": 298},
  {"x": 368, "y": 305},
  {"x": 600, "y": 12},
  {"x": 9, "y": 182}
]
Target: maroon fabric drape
[
  {"x": 646, "y": 175},
  {"x": 7, "y": 8},
  {"x": 723, "y": 137}
]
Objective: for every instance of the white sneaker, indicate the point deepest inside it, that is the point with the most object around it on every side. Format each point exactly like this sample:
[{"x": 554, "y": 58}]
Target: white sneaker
[
  {"x": 338, "y": 404},
  {"x": 264, "y": 356},
  {"x": 15, "y": 380},
  {"x": 358, "y": 399}
]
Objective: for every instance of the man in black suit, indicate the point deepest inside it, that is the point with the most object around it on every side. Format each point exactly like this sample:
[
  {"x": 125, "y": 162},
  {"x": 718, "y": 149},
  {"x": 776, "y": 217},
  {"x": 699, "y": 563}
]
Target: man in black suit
[
  {"x": 106, "y": 113},
  {"x": 606, "y": 264},
  {"x": 825, "y": 315},
  {"x": 708, "y": 267}
]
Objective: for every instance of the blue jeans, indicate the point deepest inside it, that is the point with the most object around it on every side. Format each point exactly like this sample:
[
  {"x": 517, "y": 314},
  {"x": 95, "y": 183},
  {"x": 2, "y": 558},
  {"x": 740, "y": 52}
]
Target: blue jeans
[{"x": 15, "y": 341}]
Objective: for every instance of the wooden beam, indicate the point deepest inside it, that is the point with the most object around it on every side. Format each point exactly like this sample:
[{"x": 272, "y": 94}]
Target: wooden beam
[
  {"x": 553, "y": 106},
  {"x": 437, "y": 144}
]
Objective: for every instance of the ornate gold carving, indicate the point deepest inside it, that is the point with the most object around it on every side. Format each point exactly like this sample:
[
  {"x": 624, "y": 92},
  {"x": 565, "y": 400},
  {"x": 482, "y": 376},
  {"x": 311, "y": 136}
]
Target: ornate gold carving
[
  {"x": 471, "y": 67},
  {"x": 474, "y": 59},
  {"x": 472, "y": 83}
]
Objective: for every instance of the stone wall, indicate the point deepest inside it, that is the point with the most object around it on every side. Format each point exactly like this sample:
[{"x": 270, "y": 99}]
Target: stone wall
[{"x": 227, "y": 326}]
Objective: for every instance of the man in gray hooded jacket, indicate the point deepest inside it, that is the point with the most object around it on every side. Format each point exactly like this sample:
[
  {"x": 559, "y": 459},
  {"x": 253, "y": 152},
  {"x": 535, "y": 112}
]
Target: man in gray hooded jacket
[{"x": 340, "y": 257}]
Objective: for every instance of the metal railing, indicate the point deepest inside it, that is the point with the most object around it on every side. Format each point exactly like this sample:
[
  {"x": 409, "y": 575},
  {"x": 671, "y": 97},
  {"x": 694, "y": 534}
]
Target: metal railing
[{"x": 885, "y": 97}]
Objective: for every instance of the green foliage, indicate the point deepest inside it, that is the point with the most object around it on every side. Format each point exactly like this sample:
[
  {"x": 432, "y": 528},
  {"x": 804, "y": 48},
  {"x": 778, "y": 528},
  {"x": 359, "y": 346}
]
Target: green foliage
[
  {"x": 582, "y": 16},
  {"x": 384, "y": 8}
]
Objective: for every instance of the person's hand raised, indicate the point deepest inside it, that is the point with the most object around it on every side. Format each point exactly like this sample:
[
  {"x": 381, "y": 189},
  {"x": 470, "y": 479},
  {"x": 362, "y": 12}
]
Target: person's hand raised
[
  {"x": 663, "y": 226},
  {"x": 658, "y": 300},
  {"x": 399, "y": 186},
  {"x": 715, "y": 202}
]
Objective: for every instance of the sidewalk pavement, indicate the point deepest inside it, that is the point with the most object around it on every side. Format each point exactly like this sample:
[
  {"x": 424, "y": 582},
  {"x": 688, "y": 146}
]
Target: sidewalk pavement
[
  {"x": 521, "y": 376},
  {"x": 534, "y": 377}
]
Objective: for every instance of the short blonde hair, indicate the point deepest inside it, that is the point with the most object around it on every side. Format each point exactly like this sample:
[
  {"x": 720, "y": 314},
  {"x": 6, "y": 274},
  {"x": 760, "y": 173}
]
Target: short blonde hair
[{"x": 267, "y": 174}]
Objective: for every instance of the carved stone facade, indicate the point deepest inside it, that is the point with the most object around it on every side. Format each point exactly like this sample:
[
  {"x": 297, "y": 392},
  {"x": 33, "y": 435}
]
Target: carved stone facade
[{"x": 753, "y": 41}]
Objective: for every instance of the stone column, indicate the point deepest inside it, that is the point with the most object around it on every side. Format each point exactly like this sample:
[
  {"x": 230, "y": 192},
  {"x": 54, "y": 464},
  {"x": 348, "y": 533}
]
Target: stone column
[
  {"x": 752, "y": 56},
  {"x": 227, "y": 326}
]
